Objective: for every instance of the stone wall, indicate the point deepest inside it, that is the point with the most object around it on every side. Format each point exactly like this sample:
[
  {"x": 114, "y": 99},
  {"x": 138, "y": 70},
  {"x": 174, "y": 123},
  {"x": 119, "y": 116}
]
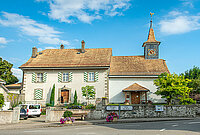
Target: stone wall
[
  {"x": 147, "y": 111},
  {"x": 10, "y": 116},
  {"x": 55, "y": 113}
]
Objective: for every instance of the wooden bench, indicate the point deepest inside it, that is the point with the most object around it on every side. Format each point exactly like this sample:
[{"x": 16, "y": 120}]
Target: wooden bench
[{"x": 79, "y": 115}]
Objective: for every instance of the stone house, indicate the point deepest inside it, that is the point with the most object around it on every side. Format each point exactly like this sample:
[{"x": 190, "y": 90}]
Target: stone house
[
  {"x": 69, "y": 70},
  {"x": 118, "y": 78}
]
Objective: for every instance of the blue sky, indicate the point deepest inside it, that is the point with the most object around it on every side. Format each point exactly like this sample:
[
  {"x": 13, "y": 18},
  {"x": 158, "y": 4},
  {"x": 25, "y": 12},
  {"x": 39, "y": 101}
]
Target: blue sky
[{"x": 122, "y": 25}]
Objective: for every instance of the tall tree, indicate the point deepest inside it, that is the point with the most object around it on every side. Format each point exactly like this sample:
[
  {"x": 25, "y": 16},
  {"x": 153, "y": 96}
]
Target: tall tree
[
  {"x": 173, "y": 86},
  {"x": 6, "y": 73},
  {"x": 88, "y": 92},
  {"x": 75, "y": 98},
  {"x": 1, "y": 100},
  {"x": 52, "y": 98}
]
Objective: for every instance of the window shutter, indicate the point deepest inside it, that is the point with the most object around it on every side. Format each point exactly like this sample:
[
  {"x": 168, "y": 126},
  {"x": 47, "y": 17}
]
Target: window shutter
[
  {"x": 33, "y": 77},
  {"x": 38, "y": 94},
  {"x": 44, "y": 76},
  {"x": 70, "y": 76},
  {"x": 59, "y": 76},
  {"x": 85, "y": 76},
  {"x": 96, "y": 76}
]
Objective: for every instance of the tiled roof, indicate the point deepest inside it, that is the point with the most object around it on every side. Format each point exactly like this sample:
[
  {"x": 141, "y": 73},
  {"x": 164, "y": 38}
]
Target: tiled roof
[
  {"x": 135, "y": 87},
  {"x": 137, "y": 65},
  {"x": 151, "y": 37},
  {"x": 71, "y": 58},
  {"x": 13, "y": 85}
]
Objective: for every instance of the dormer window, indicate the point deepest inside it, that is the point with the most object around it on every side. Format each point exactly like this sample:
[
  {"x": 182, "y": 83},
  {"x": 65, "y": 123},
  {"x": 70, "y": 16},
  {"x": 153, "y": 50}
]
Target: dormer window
[
  {"x": 65, "y": 77},
  {"x": 39, "y": 77}
]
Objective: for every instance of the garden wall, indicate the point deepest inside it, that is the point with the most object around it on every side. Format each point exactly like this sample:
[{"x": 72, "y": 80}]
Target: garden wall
[
  {"x": 147, "y": 111},
  {"x": 10, "y": 116},
  {"x": 55, "y": 113}
]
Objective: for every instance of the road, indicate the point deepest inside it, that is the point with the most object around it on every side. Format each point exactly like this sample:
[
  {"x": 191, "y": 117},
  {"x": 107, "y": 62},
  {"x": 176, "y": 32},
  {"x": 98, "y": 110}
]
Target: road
[{"x": 183, "y": 127}]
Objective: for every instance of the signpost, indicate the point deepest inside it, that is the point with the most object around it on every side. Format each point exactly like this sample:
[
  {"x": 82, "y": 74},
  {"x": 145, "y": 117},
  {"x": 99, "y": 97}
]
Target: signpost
[{"x": 159, "y": 108}]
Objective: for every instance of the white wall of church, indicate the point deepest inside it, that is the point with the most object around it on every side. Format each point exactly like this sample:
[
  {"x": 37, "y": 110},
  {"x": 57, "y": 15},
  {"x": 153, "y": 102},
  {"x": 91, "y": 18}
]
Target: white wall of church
[
  {"x": 52, "y": 78},
  {"x": 116, "y": 85}
]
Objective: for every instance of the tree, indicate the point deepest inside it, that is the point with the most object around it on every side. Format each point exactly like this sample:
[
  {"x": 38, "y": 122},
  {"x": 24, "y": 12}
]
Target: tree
[
  {"x": 75, "y": 98},
  {"x": 172, "y": 86},
  {"x": 88, "y": 92},
  {"x": 194, "y": 75},
  {"x": 1, "y": 100},
  {"x": 13, "y": 98},
  {"x": 6, "y": 73},
  {"x": 52, "y": 95}
]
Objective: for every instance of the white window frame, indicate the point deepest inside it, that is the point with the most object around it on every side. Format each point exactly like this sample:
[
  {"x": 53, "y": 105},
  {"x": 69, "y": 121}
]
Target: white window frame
[
  {"x": 91, "y": 77},
  {"x": 65, "y": 77},
  {"x": 40, "y": 77}
]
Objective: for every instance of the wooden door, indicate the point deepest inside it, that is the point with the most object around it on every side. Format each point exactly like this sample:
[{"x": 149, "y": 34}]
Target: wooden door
[
  {"x": 135, "y": 97},
  {"x": 64, "y": 96}
]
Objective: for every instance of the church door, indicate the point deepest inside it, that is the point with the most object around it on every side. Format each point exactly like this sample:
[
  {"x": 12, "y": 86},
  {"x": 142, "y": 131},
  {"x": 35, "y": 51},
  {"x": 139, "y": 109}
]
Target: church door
[
  {"x": 64, "y": 96},
  {"x": 135, "y": 97}
]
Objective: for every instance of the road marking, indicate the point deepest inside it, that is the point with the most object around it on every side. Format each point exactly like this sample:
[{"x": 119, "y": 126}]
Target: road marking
[
  {"x": 174, "y": 125},
  {"x": 162, "y": 130},
  {"x": 193, "y": 122}
]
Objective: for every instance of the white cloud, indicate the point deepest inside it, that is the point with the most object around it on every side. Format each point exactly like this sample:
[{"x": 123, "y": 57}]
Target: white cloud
[
  {"x": 18, "y": 73},
  {"x": 32, "y": 28},
  {"x": 2, "y": 46},
  {"x": 177, "y": 23},
  {"x": 3, "y": 40},
  {"x": 85, "y": 10}
]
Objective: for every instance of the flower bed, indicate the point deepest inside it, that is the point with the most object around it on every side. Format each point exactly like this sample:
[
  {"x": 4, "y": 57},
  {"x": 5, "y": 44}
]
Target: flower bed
[{"x": 112, "y": 117}]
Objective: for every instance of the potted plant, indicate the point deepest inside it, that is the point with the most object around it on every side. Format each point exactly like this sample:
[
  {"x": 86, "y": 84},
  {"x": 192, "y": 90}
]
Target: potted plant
[
  {"x": 112, "y": 117},
  {"x": 68, "y": 119}
]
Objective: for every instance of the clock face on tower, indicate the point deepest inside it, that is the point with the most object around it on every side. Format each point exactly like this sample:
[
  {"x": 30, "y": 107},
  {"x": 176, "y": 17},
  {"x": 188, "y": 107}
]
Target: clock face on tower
[{"x": 151, "y": 52}]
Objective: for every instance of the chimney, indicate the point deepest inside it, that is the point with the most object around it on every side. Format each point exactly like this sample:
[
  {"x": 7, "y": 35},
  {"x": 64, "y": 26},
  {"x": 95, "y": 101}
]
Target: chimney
[
  {"x": 62, "y": 46},
  {"x": 34, "y": 52},
  {"x": 83, "y": 46}
]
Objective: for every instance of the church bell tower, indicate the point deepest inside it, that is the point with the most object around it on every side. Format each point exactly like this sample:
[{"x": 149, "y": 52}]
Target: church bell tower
[{"x": 151, "y": 46}]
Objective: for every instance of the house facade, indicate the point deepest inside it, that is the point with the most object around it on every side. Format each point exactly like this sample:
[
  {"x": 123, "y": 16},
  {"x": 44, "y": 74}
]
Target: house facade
[
  {"x": 3, "y": 89},
  {"x": 131, "y": 78},
  {"x": 69, "y": 70},
  {"x": 121, "y": 79}
]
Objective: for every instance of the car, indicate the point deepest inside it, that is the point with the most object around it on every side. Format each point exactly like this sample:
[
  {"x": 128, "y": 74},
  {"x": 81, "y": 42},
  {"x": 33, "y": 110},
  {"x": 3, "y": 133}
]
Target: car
[
  {"x": 23, "y": 114},
  {"x": 32, "y": 109}
]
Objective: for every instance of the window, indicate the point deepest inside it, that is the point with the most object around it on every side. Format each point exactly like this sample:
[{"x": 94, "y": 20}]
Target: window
[
  {"x": 38, "y": 94},
  {"x": 39, "y": 77},
  {"x": 91, "y": 76},
  {"x": 65, "y": 77}
]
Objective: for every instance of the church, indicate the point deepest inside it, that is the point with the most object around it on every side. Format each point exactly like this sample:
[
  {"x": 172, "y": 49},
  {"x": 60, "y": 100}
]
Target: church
[{"x": 120, "y": 79}]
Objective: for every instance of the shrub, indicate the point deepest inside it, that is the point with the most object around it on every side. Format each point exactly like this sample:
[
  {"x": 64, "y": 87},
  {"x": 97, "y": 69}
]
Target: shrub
[
  {"x": 75, "y": 98},
  {"x": 67, "y": 114},
  {"x": 90, "y": 106},
  {"x": 111, "y": 116},
  {"x": 43, "y": 111},
  {"x": 48, "y": 104},
  {"x": 52, "y": 95},
  {"x": 1, "y": 100},
  {"x": 74, "y": 106}
]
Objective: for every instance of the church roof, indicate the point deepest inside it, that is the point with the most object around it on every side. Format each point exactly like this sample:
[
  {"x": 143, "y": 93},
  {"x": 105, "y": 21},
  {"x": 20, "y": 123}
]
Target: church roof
[
  {"x": 151, "y": 37},
  {"x": 135, "y": 87},
  {"x": 137, "y": 65},
  {"x": 70, "y": 58}
]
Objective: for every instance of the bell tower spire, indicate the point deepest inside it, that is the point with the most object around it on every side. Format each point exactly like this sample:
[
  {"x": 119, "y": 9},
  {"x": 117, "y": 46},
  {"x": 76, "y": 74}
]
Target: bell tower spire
[{"x": 151, "y": 46}]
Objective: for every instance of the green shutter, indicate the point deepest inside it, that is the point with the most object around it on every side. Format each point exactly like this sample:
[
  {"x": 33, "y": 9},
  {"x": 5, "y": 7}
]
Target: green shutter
[
  {"x": 44, "y": 76},
  {"x": 96, "y": 76},
  {"x": 38, "y": 94},
  {"x": 85, "y": 76},
  {"x": 33, "y": 77},
  {"x": 70, "y": 76},
  {"x": 59, "y": 76}
]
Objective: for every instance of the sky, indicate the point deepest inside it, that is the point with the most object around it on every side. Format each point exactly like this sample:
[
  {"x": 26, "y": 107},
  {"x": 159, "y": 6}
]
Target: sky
[{"x": 122, "y": 25}]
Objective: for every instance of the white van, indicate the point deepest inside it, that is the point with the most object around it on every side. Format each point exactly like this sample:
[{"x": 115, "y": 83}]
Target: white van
[{"x": 32, "y": 109}]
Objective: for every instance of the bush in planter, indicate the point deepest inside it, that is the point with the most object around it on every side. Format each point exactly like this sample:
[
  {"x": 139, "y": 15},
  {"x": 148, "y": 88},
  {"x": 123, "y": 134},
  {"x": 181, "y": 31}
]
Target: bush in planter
[
  {"x": 111, "y": 117},
  {"x": 90, "y": 106},
  {"x": 74, "y": 106},
  {"x": 67, "y": 117},
  {"x": 48, "y": 104},
  {"x": 67, "y": 114}
]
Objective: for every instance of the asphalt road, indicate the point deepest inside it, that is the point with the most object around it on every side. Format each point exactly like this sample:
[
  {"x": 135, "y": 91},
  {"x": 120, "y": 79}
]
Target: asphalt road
[{"x": 183, "y": 127}]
